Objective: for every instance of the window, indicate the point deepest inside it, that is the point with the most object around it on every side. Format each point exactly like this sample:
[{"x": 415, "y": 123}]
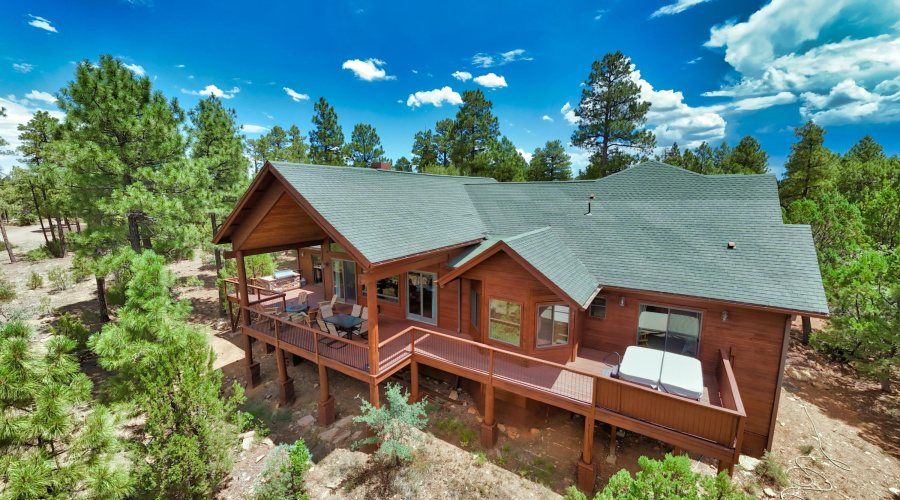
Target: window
[
  {"x": 474, "y": 306},
  {"x": 506, "y": 321},
  {"x": 552, "y": 325},
  {"x": 388, "y": 289},
  {"x": 334, "y": 247},
  {"x": 598, "y": 307},
  {"x": 318, "y": 275},
  {"x": 670, "y": 330}
]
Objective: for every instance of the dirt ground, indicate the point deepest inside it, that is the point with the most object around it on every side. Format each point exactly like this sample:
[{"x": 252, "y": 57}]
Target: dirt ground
[{"x": 858, "y": 424}]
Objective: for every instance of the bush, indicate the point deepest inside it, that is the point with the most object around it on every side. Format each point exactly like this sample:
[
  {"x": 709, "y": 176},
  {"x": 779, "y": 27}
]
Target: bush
[
  {"x": 71, "y": 327},
  {"x": 59, "y": 278},
  {"x": 38, "y": 254},
  {"x": 770, "y": 468},
  {"x": 7, "y": 290},
  {"x": 35, "y": 281},
  {"x": 392, "y": 423},
  {"x": 81, "y": 269},
  {"x": 669, "y": 478},
  {"x": 283, "y": 477},
  {"x": 53, "y": 248},
  {"x": 3, "y": 246}
]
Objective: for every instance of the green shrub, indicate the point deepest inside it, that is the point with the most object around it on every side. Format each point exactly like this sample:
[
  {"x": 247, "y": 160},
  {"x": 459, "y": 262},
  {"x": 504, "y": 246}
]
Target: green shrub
[
  {"x": 770, "y": 468},
  {"x": 393, "y": 423},
  {"x": 53, "y": 248},
  {"x": 81, "y": 269},
  {"x": 45, "y": 305},
  {"x": 3, "y": 246},
  {"x": 480, "y": 458},
  {"x": 669, "y": 478},
  {"x": 38, "y": 254},
  {"x": 59, "y": 278},
  {"x": 71, "y": 327},
  {"x": 284, "y": 472},
  {"x": 35, "y": 281},
  {"x": 7, "y": 290}
]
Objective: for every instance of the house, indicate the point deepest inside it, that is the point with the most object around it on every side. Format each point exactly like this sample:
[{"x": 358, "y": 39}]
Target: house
[{"x": 531, "y": 292}]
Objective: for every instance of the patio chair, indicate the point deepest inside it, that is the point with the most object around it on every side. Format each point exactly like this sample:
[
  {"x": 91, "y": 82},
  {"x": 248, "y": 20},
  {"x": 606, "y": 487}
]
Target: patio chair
[
  {"x": 300, "y": 317},
  {"x": 330, "y": 329},
  {"x": 362, "y": 330},
  {"x": 329, "y": 302},
  {"x": 325, "y": 311},
  {"x": 303, "y": 297},
  {"x": 357, "y": 310},
  {"x": 365, "y": 313}
]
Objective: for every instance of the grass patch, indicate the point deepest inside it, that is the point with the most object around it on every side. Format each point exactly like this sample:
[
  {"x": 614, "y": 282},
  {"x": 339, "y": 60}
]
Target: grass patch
[
  {"x": 770, "y": 469},
  {"x": 806, "y": 449}
]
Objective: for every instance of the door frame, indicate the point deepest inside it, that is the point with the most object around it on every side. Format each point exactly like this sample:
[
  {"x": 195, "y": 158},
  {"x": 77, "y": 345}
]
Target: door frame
[
  {"x": 434, "y": 299},
  {"x": 343, "y": 287}
]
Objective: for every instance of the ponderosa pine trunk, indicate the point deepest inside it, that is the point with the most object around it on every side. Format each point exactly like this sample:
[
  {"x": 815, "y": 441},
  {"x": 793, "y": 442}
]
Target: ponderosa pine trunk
[
  {"x": 12, "y": 257},
  {"x": 77, "y": 225},
  {"x": 62, "y": 238},
  {"x": 218, "y": 254},
  {"x": 807, "y": 330},
  {"x": 134, "y": 233},
  {"x": 101, "y": 298},
  {"x": 37, "y": 210}
]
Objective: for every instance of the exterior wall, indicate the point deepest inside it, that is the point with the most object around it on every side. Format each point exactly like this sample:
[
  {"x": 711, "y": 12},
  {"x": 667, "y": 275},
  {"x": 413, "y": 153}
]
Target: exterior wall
[
  {"x": 503, "y": 278},
  {"x": 752, "y": 338},
  {"x": 305, "y": 263}
]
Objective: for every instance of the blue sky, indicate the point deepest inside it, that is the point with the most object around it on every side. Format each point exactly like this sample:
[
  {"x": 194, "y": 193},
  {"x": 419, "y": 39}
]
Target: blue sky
[{"x": 714, "y": 69}]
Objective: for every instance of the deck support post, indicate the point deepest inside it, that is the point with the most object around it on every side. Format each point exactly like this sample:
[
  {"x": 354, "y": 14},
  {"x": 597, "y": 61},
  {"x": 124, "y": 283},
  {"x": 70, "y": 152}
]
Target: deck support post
[
  {"x": 612, "y": 443},
  {"x": 375, "y": 401},
  {"x": 285, "y": 383},
  {"x": 489, "y": 426},
  {"x": 372, "y": 304},
  {"x": 326, "y": 402},
  {"x": 587, "y": 470},
  {"x": 726, "y": 465},
  {"x": 252, "y": 368},
  {"x": 413, "y": 382}
]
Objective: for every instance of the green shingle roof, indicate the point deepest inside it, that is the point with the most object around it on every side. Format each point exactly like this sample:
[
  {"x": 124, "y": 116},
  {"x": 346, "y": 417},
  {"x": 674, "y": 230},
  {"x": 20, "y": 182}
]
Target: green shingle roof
[{"x": 652, "y": 227}]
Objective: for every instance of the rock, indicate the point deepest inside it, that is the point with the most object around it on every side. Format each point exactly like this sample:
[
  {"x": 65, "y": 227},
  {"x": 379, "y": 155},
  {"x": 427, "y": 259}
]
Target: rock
[
  {"x": 769, "y": 493},
  {"x": 222, "y": 324},
  {"x": 344, "y": 422},
  {"x": 247, "y": 443},
  {"x": 501, "y": 427},
  {"x": 357, "y": 435},
  {"x": 480, "y": 420},
  {"x": 329, "y": 434},
  {"x": 268, "y": 442},
  {"x": 620, "y": 433},
  {"x": 610, "y": 459},
  {"x": 342, "y": 436},
  {"x": 260, "y": 458},
  {"x": 307, "y": 421},
  {"x": 454, "y": 395},
  {"x": 247, "y": 434},
  {"x": 465, "y": 403},
  {"x": 748, "y": 463},
  {"x": 473, "y": 411},
  {"x": 895, "y": 492}
]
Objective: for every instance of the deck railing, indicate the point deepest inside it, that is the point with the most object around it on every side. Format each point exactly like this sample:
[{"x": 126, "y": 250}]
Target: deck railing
[
  {"x": 546, "y": 381},
  {"x": 262, "y": 294}
]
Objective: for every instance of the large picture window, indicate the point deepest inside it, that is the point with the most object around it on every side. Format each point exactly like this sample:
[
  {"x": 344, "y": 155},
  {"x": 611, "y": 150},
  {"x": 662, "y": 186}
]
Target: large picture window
[
  {"x": 318, "y": 274},
  {"x": 670, "y": 330},
  {"x": 506, "y": 321},
  {"x": 552, "y": 325},
  {"x": 388, "y": 289}
]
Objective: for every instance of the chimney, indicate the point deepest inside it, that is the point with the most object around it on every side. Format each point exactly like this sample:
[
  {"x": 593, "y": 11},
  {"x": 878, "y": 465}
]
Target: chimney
[{"x": 381, "y": 165}]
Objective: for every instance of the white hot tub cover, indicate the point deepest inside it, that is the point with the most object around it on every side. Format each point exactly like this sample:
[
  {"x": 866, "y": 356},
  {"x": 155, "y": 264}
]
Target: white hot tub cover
[
  {"x": 641, "y": 365},
  {"x": 681, "y": 375}
]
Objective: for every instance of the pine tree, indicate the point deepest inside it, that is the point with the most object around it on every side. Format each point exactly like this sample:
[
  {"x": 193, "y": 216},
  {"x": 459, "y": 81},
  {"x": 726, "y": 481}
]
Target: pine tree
[
  {"x": 37, "y": 137},
  {"x": 474, "y": 132},
  {"x": 365, "y": 145},
  {"x": 809, "y": 167},
  {"x": 672, "y": 156},
  {"x": 443, "y": 140},
  {"x": 326, "y": 141},
  {"x": 424, "y": 150},
  {"x": 611, "y": 117},
  {"x": 297, "y": 148},
  {"x": 55, "y": 441},
  {"x": 504, "y": 162},
  {"x": 4, "y": 202},
  {"x": 163, "y": 370},
  {"x": 256, "y": 150},
  {"x": 550, "y": 163},
  {"x": 748, "y": 157},
  {"x": 277, "y": 144},
  {"x": 403, "y": 165},
  {"x": 124, "y": 160}
]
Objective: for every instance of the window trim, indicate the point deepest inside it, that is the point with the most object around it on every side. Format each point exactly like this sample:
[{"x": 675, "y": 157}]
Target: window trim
[
  {"x": 537, "y": 325},
  {"x": 384, "y": 298},
  {"x": 474, "y": 312},
  {"x": 490, "y": 319},
  {"x": 701, "y": 312},
  {"x": 605, "y": 307}
]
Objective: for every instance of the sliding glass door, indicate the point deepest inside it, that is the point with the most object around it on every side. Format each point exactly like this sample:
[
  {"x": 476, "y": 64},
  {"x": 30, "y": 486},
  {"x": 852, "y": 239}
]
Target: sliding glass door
[
  {"x": 344, "y": 280},
  {"x": 421, "y": 297}
]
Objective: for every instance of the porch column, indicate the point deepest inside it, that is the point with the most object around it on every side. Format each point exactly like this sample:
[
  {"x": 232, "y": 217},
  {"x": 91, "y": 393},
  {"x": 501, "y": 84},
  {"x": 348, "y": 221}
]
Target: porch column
[
  {"x": 326, "y": 402},
  {"x": 414, "y": 382},
  {"x": 587, "y": 470},
  {"x": 372, "y": 304},
  {"x": 285, "y": 383},
  {"x": 611, "y": 458},
  {"x": 488, "y": 426},
  {"x": 251, "y": 367}
]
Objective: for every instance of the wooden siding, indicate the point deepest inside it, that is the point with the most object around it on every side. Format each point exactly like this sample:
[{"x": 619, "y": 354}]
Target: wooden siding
[
  {"x": 753, "y": 340},
  {"x": 285, "y": 223}
]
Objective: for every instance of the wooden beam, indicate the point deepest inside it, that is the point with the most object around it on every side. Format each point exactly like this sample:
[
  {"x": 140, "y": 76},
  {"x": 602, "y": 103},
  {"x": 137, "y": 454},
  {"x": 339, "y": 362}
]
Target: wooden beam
[
  {"x": 372, "y": 304},
  {"x": 245, "y": 198},
  {"x": 260, "y": 209},
  {"x": 230, "y": 254},
  {"x": 785, "y": 343},
  {"x": 381, "y": 272}
]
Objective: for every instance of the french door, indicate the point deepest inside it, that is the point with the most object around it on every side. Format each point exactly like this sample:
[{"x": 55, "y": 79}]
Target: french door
[
  {"x": 421, "y": 297},
  {"x": 344, "y": 280}
]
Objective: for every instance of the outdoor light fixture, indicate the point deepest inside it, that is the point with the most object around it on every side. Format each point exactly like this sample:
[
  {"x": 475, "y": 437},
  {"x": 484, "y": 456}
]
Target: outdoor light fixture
[
  {"x": 724, "y": 316},
  {"x": 622, "y": 300}
]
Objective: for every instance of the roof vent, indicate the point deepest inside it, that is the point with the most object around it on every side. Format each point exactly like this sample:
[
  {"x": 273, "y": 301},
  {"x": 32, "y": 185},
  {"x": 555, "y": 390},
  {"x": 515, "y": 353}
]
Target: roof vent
[
  {"x": 732, "y": 245},
  {"x": 591, "y": 197}
]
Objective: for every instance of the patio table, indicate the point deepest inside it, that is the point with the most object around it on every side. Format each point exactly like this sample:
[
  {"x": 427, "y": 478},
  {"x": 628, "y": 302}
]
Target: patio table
[
  {"x": 294, "y": 308},
  {"x": 344, "y": 322}
]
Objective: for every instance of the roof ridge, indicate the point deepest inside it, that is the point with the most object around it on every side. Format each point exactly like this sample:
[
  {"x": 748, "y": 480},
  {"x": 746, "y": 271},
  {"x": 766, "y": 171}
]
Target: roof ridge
[
  {"x": 527, "y": 233},
  {"x": 375, "y": 170}
]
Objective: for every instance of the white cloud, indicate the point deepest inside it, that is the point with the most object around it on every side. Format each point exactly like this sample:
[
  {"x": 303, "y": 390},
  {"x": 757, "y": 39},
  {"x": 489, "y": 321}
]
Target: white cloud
[
  {"x": 296, "y": 96},
  {"x": 676, "y": 8},
  {"x": 847, "y": 102},
  {"x": 37, "y": 95},
  {"x": 40, "y": 22},
  {"x": 547, "y": 118},
  {"x": 695, "y": 60},
  {"x": 487, "y": 60},
  {"x": 18, "y": 111},
  {"x": 569, "y": 113},
  {"x": 179, "y": 65},
  {"x": 368, "y": 70},
  {"x": 137, "y": 68},
  {"x": 23, "y": 67},
  {"x": 436, "y": 97},
  {"x": 812, "y": 48},
  {"x": 213, "y": 90},
  {"x": 599, "y": 15},
  {"x": 415, "y": 72},
  {"x": 754, "y": 103},
  {"x": 523, "y": 154},
  {"x": 190, "y": 77},
  {"x": 490, "y": 81},
  {"x": 253, "y": 129},
  {"x": 674, "y": 121},
  {"x": 462, "y": 75}
]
